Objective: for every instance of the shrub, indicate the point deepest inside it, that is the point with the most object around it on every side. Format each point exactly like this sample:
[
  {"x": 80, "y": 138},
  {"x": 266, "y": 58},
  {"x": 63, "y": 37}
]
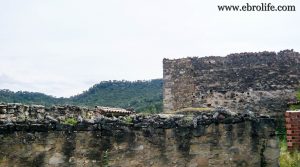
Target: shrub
[
  {"x": 128, "y": 120},
  {"x": 296, "y": 106},
  {"x": 289, "y": 159},
  {"x": 70, "y": 121}
]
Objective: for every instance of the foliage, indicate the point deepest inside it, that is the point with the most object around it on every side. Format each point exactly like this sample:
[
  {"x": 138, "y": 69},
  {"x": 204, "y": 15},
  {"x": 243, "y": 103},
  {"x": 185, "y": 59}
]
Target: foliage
[
  {"x": 298, "y": 95},
  {"x": 105, "y": 159},
  {"x": 142, "y": 96},
  {"x": 280, "y": 129},
  {"x": 8, "y": 96},
  {"x": 288, "y": 159},
  {"x": 70, "y": 121},
  {"x": 296, "y": 106},
  {"x": 128, "y": 120}
]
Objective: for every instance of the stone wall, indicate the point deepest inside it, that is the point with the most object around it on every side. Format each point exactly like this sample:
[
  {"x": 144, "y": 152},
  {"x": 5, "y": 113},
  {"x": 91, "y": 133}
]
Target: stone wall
[
  {"x": 259, "y": 82},
  {"x": 38, "y": 136},
  {"x": 244, "y": 144}
]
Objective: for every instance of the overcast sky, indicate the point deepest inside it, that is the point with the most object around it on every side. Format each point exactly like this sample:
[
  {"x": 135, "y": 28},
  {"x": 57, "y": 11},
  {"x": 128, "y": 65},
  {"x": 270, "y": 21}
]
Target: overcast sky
[{"x": 62, "y": 47}]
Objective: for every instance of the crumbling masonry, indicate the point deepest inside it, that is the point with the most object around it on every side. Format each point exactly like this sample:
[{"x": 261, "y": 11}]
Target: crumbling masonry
[{"x": 259, "y": 82}]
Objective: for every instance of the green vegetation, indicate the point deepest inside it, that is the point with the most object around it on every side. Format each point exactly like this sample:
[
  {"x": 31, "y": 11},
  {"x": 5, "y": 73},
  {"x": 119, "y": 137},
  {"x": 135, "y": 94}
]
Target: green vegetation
[
  {"x": 288, "y": 159},
  {"x": 280, "y": 129},
  {"x": 298, "y": 94},
  {"x": 70, "y": 121},
  {"x": 105, "y": 159},
  {"x": 8, "y": 96},
  {"x": 296, "y": 106},
  {"x": 128, "y": 120},
  {"x": 142, "y": 96}
]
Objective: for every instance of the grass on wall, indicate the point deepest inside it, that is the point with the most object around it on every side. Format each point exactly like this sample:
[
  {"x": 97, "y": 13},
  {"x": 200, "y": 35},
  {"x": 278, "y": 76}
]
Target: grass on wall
[
  {"x": 288, "y": 158},
  {"x": 70, "y": 121},
  {"x": 297, "y": 106}
]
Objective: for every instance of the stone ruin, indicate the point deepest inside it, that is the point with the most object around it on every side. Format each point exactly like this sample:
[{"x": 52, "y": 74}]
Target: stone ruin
[
  {"x": 235, "y": 94},
  {"x": 261, "y": 82},
  {"x": 17, "y": 113},
  {"x": 20, "y": 117},
  {"x": 37, "y": 135}
]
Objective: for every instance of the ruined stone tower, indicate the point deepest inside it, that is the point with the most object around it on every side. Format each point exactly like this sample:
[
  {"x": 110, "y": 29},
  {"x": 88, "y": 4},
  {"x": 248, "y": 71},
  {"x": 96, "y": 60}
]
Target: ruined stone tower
[{"x": 260, "y": 82}]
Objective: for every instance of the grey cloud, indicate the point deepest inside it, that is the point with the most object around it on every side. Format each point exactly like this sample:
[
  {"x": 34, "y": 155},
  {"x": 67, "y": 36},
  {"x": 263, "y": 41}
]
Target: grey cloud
[{"x": 62, "y": 47}]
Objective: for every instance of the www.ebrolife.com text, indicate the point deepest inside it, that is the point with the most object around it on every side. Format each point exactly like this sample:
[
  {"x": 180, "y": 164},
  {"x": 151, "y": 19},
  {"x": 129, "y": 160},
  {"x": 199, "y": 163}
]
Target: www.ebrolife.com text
[{"x": 263, "y": 7}]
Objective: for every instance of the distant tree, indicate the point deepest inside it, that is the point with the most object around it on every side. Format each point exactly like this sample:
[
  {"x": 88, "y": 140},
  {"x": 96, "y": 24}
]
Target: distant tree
[{"x": 142, "y": 96}]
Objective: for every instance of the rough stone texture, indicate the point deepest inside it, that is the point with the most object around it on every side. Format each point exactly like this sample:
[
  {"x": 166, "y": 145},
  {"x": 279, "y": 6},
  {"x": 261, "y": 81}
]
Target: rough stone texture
[
  {"x": 233, "y": 145},
  {"x": 61, "y": 118},
  {"x": 260, "y": 82},
  {"x": 39, "y": 136}
]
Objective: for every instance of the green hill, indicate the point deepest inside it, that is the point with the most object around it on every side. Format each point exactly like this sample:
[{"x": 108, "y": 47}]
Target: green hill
[
  {"x": 25, "y": 97},
  {"x": 142, "y": 96}
]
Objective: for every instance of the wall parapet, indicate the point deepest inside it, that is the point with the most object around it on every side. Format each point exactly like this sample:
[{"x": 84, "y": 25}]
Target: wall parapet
[{"x": 19, "y": 117}]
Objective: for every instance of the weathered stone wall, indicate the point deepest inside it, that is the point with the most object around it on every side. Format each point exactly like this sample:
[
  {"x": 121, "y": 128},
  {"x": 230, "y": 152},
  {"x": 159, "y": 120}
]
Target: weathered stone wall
[
  {"x": 245, "y": 144},
  {"x": 260, "y": 82},
  {"x": 38, "y": 136}
]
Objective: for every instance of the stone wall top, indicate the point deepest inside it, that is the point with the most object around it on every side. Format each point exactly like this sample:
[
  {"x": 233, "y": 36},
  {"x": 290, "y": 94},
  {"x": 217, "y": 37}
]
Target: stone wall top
[{"x": 20, "y": 117}]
